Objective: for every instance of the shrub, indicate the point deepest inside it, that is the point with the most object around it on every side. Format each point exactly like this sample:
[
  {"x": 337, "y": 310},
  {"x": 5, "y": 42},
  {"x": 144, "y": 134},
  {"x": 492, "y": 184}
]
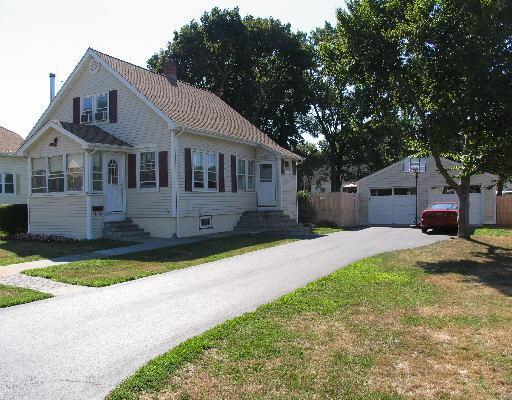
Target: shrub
[
  {"x": 305, "y": 207},
  {"x": 327, "y": 224},
  {"x": 41, "y": 237},
  {"x": 13, "y": 218}
]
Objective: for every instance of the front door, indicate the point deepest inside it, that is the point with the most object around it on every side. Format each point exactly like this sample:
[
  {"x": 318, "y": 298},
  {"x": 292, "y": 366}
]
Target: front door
[
  {"x": 114, "y": 185},
  {"x": 266, "y": 184}
]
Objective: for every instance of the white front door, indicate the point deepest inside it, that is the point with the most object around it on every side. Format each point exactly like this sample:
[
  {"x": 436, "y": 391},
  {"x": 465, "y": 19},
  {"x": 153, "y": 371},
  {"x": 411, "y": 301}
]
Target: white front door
[
  {"x": 266, "y": 184},
  {"x": 114, "y": 183}
]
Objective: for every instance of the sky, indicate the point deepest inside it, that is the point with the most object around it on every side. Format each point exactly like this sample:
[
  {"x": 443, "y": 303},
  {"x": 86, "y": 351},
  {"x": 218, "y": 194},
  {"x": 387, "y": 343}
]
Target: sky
[{"x": 39, "y": 37}]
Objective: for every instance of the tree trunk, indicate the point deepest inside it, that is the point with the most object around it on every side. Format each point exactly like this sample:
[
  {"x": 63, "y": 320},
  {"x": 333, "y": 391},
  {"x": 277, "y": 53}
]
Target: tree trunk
[
  {"x": 500, "y": 184},
  {"x": 463, "y": 194},
  {"x": 335, "y": 178}
]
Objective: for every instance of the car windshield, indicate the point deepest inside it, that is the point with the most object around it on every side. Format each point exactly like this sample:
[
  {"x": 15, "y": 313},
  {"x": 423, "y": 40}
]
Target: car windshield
[{"x": 443, "y": 206}]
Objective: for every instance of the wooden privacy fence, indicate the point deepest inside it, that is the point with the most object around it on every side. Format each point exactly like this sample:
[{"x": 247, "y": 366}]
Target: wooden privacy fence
[
  {"x": 338, "y": 207},
  {"x": 504, "y": 210}
]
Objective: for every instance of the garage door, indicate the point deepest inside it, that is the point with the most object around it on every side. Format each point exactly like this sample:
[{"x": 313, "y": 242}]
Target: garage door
[
  {"x": 388, "y": 206},
  {"x": 475, "y": 202}
]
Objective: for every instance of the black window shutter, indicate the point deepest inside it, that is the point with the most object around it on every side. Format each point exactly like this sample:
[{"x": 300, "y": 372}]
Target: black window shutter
[
  {"x": 112, "y": 106},
  {"x": 76, "y": 110},
  {"x": 282, "y": 167},
  {"x": 294, "y": 167},
  {"x": 222, "y": 183},
  {"x": 234, "y": 184},
  {"x": 132, "y": 171},
  {"x": 188, "y": 170},
  {"x": 163, "y": 169}
]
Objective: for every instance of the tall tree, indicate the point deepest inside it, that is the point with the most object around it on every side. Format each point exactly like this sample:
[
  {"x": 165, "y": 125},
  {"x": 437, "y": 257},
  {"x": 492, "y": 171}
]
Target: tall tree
[
  {"x": 446, "y": 64},
  {"x": 361, "y": 133},
  {"x": 256, "y": 65}
]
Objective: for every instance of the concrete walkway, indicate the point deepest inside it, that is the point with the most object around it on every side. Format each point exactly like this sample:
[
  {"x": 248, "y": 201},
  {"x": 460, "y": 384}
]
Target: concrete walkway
[
  {"x": 11, "y": 274},
  {"x": 80, "y": 346}
]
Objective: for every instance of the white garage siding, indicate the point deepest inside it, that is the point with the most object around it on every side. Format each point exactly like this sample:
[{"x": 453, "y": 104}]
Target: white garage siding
[{"x": 394, "y": 177}]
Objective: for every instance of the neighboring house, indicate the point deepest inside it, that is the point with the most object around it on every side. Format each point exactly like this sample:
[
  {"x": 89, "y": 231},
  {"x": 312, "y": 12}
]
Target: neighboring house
[
  {"x": 321, "y": 182},
  {"x": 13, "y": 169},
  {"x": 389, "y": 195},
  {"x": 119, "y": 141}
]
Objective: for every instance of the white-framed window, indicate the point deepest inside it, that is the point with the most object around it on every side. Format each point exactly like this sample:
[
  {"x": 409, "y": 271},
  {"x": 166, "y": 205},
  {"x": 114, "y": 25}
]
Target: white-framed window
[
  {"x": 94, "y": 108},
  {"x": 6, "y": 183},
  {"x": 205, "y": 222},
  {"x": 251, "y": 175},
  {"x": 39, "y": 182},
  {"x": 205, "y": 170},
  {"x": 287, "y": 167},
  {"x": 246, "y": 175},
  {"x": 241, "y": 174},
  {"x": 55, "y": 174},
  {"x": 147, "y": 170},
  {"x": 75, "y": 172},
  {"x": 97, "y": 173}
]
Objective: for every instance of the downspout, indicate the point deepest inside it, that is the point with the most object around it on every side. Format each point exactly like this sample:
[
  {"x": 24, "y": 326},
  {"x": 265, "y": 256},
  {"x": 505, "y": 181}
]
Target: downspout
[{"x": 175, "y": 178}]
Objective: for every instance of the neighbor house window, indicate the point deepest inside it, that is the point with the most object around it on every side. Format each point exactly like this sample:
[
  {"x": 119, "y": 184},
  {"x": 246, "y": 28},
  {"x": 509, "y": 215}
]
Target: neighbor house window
[
  {"x": 97, "y": 173},
  {"x": 75, "y": 172},
  {"x": 251, "y": 175},
  {"x": 205, "y": 170},
  {"x": 55, "y": 174},
  {"x": 147, "y": 170},
  {"x": 287, "y": 166},
  {"x": 6, "y": 183},
  {"x": 241, "y": 172},
  {"x": 94, "y": 108},
  {"x": 38, "y": 175}
]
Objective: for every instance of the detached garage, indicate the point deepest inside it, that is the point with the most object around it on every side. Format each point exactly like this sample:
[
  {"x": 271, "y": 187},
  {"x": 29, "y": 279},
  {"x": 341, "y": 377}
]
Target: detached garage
[{"x": 388, "y": 197}]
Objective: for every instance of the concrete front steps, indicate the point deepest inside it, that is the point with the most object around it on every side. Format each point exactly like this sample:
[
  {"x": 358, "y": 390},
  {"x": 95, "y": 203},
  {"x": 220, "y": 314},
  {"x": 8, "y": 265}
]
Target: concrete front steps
[
  {"x": 271, "y": 222},
  {"x": 124, "y": 230}
]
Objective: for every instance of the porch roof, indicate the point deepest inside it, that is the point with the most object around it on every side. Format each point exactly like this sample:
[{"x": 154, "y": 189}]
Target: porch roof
[{"x": 92, "y": 134}]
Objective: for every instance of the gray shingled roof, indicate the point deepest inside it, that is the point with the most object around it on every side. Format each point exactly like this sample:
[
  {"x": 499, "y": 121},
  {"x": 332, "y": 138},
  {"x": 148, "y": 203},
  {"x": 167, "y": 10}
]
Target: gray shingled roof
[
  {"x": 9, "y": 141},
  {"x": 92, "y": 134},
  {"x": 192, "y": 107}
]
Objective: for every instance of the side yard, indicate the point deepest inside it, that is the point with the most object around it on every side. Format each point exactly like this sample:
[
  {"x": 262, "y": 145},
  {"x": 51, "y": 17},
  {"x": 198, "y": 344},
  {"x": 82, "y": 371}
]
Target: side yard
[{"x": 433, "y": 322}]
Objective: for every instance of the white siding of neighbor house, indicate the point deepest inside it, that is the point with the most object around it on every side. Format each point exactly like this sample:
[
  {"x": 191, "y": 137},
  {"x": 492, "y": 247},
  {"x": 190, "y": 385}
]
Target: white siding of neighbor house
[
  {"x": 137, "y": 125},
  {"x": 18, "y": 166},
  {"x": 394, "y": 176},
  {"x": 63, "y": 215}
]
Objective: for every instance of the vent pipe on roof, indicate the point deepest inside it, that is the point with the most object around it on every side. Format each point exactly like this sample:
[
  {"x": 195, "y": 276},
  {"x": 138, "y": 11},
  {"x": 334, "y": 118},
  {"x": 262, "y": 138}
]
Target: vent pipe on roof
[
  {"x": 169, "y": 70},
  {"x": 52, "y": 86}
]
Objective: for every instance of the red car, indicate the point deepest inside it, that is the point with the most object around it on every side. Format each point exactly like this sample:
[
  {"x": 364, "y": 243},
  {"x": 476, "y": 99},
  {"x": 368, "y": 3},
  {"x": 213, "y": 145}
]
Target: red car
[{"x": 440, "y": 216}]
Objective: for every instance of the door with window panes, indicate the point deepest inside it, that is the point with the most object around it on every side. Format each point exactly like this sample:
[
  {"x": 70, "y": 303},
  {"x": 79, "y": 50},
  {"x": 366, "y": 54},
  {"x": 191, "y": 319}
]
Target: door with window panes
[
  {"x": 114, "y": 173},
  {"x": 266, "y": 184}
]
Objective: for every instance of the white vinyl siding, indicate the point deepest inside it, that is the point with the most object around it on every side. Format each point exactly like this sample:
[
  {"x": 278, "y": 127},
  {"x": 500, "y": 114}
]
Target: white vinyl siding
[
  {"x": 17, "y": 167},
  {"x": 288, "y": 193}
]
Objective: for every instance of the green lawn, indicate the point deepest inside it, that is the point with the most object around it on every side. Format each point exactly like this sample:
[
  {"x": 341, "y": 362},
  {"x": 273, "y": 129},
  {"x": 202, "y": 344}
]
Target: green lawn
[
  {"x": 319, "y": 230},
  {"x": 430, "y": 323},
  {"x": 493, "y": 231},
  {"x": 109, "y": 271},
  {"x": 12, "y": 295},
  {"x": 18, "y": 251}
]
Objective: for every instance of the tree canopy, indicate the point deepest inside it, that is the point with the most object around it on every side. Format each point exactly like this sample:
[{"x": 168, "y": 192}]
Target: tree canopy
[{"x": 256, "y": 65}]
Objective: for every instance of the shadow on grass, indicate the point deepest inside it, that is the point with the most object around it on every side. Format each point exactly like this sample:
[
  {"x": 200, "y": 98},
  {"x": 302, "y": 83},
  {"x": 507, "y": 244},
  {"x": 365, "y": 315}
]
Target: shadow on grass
[{"x": 489, "y": 265}]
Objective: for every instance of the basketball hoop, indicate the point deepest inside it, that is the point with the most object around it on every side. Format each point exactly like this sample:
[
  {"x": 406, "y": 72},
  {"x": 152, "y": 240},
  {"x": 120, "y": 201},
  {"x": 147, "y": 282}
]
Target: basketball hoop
[{"x": 415, "y": 166}]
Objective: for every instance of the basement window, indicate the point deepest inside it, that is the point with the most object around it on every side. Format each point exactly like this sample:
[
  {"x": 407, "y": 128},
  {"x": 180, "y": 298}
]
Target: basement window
[{"x": 205, "y": 222}]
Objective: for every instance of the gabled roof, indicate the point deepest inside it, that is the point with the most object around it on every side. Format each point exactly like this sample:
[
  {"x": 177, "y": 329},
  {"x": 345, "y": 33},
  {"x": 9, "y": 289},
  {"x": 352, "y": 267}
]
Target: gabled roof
[
  {"x": 92, "y": 134},
  {"x": 191, "y": 107},
  {"x": 9, "y": 141}
]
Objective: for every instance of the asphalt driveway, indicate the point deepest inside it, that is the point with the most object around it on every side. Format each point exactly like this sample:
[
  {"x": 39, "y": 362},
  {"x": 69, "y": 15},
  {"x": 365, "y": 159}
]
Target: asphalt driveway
[{"x": 80, "y": 346}]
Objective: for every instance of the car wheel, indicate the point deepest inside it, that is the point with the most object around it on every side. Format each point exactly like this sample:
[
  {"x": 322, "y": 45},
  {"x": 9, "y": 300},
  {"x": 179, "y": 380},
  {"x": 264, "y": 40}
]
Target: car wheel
[{"x": 424, "y": 230}]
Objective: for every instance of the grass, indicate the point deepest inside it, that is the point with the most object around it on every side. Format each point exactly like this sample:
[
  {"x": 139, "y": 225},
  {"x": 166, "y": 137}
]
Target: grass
[
  {"x": 324, "y": 230},
  {"x": 493, "y": 231},
  {"x": 109, "y": 271},
  {"x": 12, "y": 295},
  {"x": 430, "y": 323},
  {"x": 18, "y": 251}
]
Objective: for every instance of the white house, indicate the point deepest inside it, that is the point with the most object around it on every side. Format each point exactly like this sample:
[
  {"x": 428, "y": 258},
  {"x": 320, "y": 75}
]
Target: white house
[
  {"x": 389, "y": 195},
  {"x": 13, "y": 169},
  {"x": 121, "y": 142}
]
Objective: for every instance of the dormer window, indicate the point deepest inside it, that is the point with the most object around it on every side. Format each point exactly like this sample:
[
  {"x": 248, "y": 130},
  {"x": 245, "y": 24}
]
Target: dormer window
[{"x": 94, "y": 109}]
